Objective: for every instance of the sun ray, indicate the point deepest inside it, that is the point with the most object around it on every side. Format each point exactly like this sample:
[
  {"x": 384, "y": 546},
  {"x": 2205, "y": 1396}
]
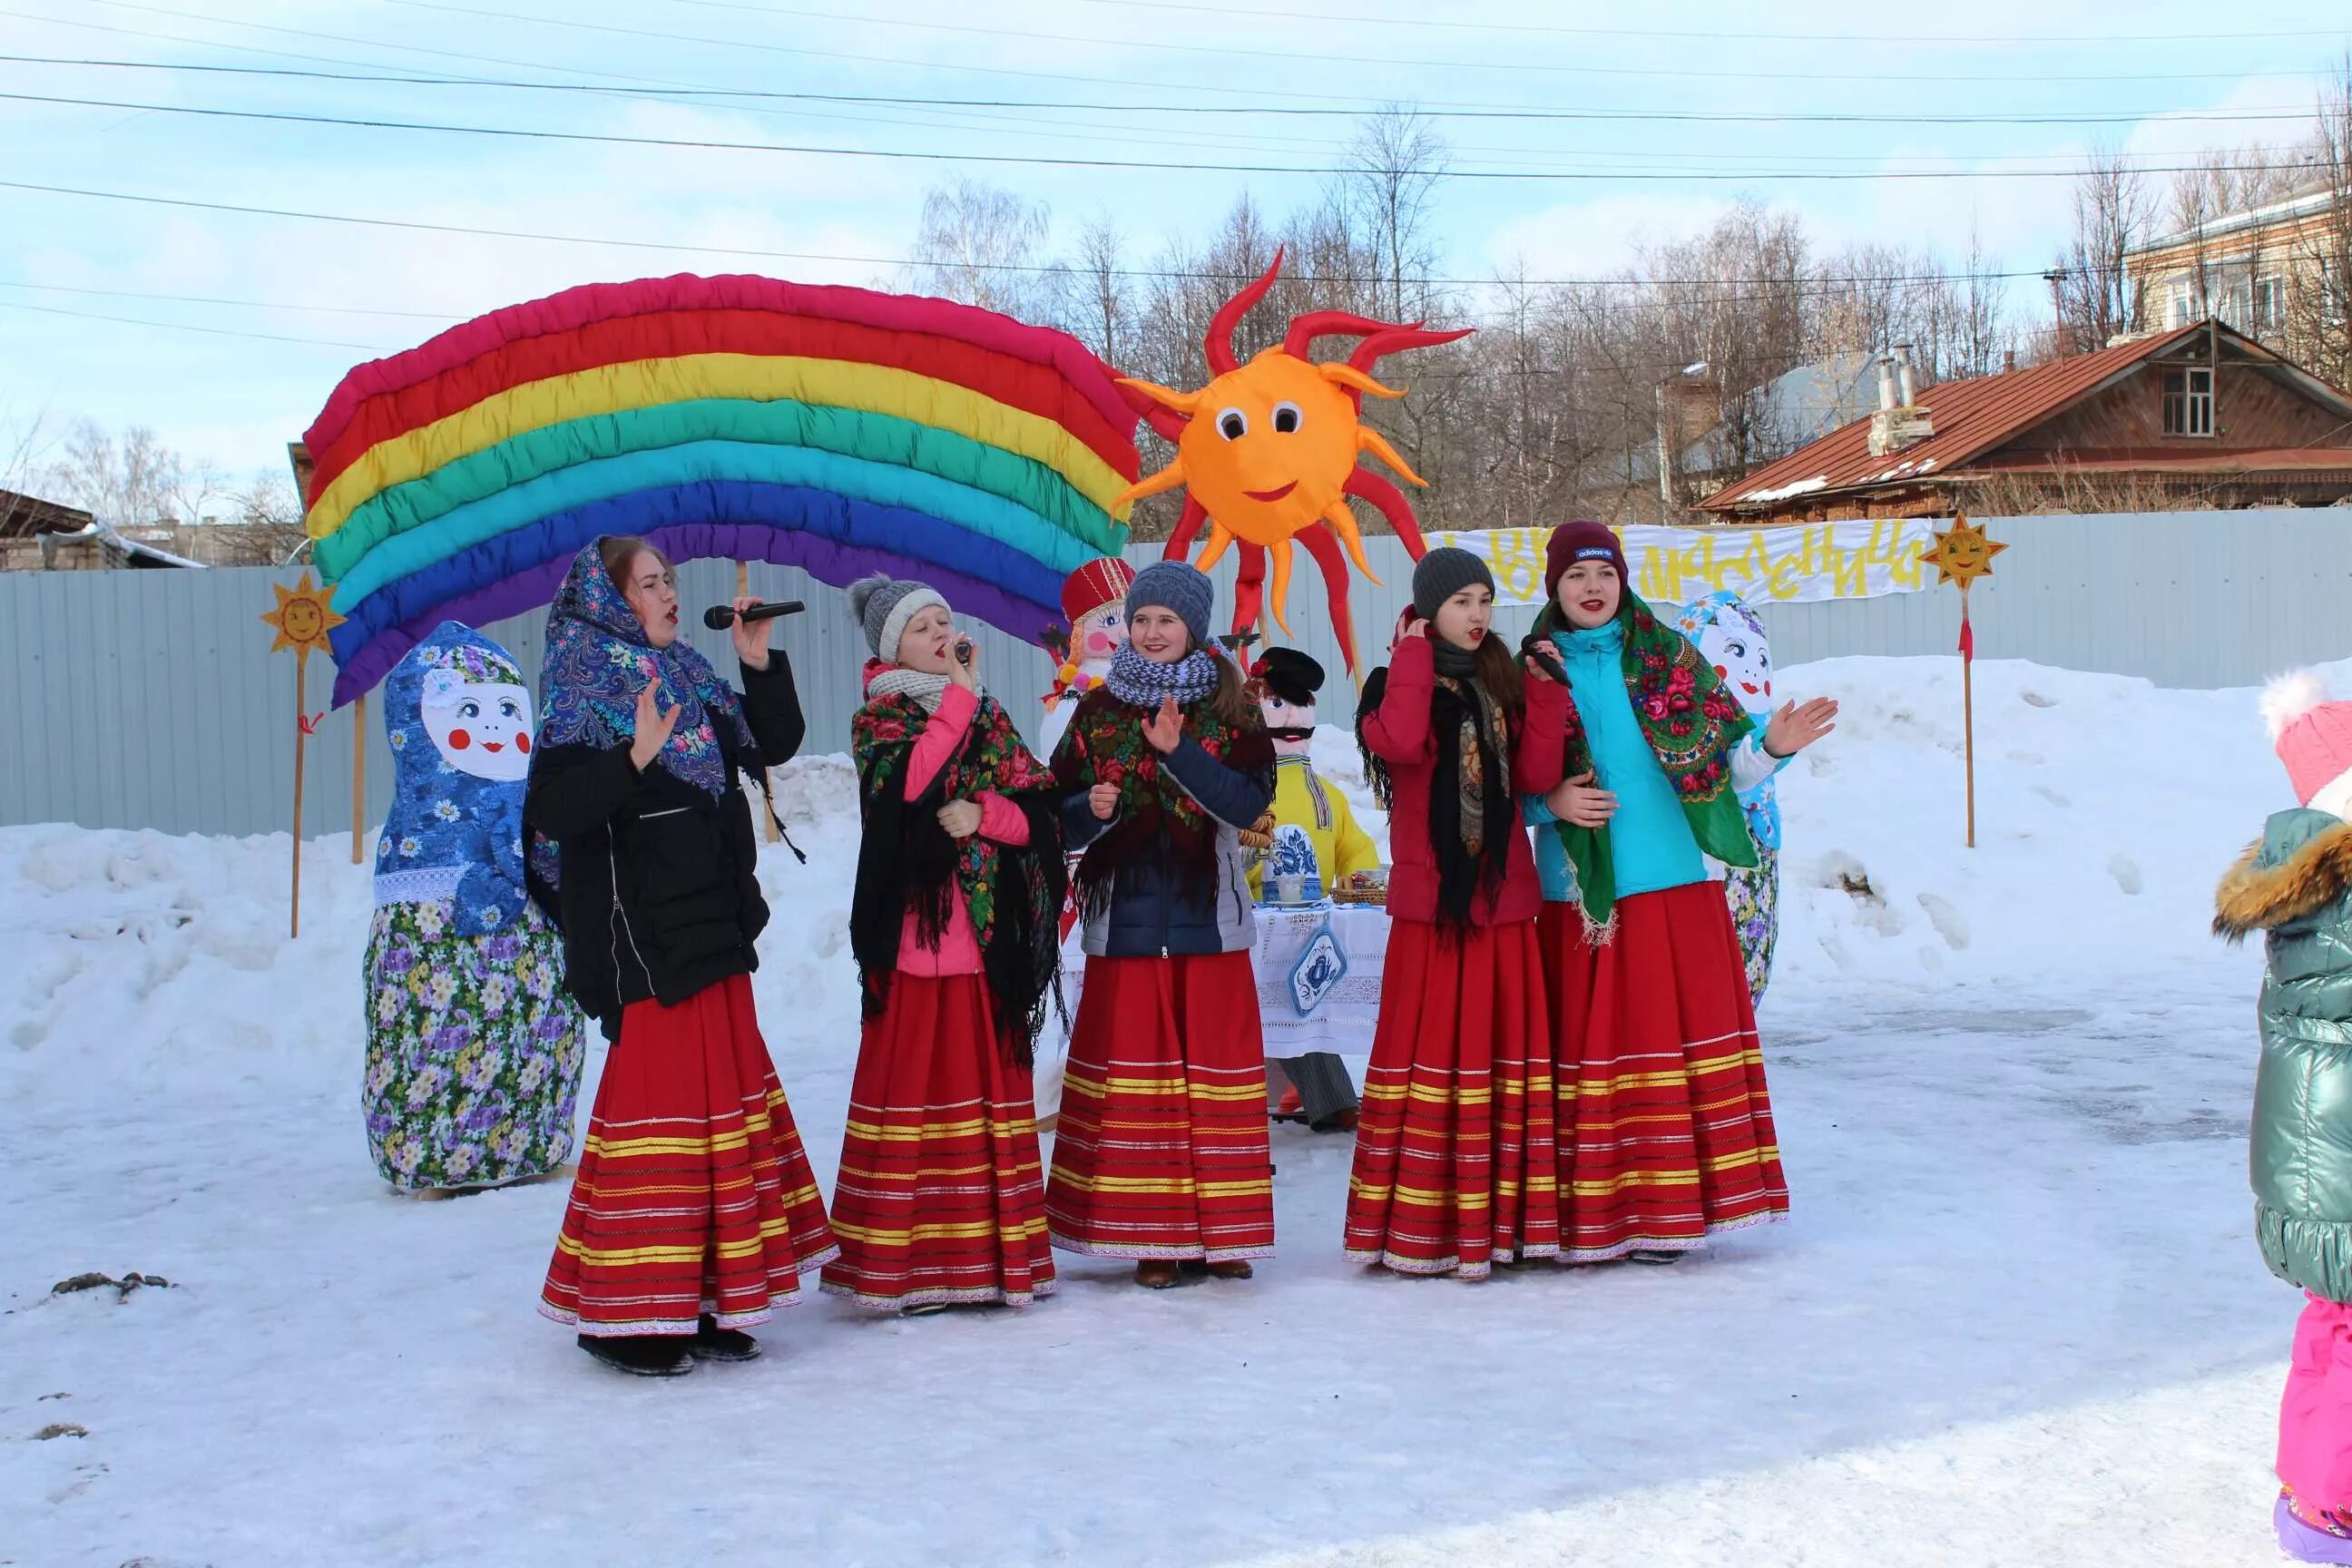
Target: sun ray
[
  {"x": 1355, "y": 380},
  {"x": 1184, "y": 403},
  {"x": 1370, "y": 440},
  {"x": 1249, "y": 585},
  {"x": 1381, "y": 492},
  {"x": 1219, "y": 540},
  {"x": 1321, "y": 545},
  {"x": 1280, "y": 550},
  {"x": 1167, "y": 478},
  {"x": 1343, "y": 523},
  {"x": 1188, "y": 528}
]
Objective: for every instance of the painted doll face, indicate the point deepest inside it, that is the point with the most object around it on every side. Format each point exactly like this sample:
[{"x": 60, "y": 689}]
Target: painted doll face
[
  {"x": 1281, "y": 716},
  {"x": 479, "y": 728},
  {"x": 1742, "y": 658},
  {"x": 1100, "y": 633}
]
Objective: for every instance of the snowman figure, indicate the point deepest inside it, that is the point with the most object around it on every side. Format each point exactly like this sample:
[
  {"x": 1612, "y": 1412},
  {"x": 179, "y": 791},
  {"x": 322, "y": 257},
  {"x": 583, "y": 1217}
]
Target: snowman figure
[{"x": 1729, "y": 636}]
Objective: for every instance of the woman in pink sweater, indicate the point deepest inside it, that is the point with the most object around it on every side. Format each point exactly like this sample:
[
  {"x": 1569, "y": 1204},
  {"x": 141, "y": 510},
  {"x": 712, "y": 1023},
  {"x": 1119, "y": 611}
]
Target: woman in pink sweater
[{"x": 941, "y": 1197}]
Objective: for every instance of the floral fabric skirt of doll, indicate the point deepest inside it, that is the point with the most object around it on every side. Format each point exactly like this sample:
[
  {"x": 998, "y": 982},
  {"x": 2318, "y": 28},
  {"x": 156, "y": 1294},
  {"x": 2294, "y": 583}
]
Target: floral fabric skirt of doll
[{"x": 473, "y": 1050}]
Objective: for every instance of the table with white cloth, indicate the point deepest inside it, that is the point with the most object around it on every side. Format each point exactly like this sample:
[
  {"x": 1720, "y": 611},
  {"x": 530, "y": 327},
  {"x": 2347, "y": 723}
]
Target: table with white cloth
[{"x": 1341, "y": 1020}]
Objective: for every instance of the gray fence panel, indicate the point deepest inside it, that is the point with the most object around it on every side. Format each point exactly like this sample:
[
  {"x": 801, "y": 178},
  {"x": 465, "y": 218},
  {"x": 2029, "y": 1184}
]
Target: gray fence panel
[{"x": 147, "y": 699}]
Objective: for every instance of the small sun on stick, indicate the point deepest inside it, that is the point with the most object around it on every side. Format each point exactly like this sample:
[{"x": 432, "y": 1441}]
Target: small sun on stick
[
  {"x": 303, "y": 620},
  {"x": 1962, "y": 554}
]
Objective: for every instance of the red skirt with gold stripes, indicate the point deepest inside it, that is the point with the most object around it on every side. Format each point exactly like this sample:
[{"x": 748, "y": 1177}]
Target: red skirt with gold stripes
[
  {"x": 1454, "y": 1157},
  {"x": 941, "y": 1197},
  {"x": 693, "y": 1194},
  {"x": 1161, "y": 1148},
  {"x": 1664, "y": 1126}
]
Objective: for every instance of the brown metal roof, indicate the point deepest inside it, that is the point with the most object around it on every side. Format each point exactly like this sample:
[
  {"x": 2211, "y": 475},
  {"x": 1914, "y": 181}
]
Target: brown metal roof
[{"x": 1971, "y": 418}]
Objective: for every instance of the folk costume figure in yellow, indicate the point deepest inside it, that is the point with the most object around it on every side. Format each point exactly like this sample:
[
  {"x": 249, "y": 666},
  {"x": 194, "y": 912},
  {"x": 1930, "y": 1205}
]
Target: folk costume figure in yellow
[
  {"x": 1266, "y": 452},
  {"x": 1307, "y": 812}
]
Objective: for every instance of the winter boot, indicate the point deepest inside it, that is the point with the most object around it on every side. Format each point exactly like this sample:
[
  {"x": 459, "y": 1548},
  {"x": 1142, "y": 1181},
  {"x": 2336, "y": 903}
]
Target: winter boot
[
  {"x": 1157, "y": 1274},
  {"x": 712, "y": 1343},
  {"x": 641, "y": 1355},
  {"x": 2307, "y": 1542}
]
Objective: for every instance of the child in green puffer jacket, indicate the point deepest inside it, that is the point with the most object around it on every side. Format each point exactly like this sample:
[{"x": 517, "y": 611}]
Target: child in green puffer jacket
[{"x": 2295, "y": 887}]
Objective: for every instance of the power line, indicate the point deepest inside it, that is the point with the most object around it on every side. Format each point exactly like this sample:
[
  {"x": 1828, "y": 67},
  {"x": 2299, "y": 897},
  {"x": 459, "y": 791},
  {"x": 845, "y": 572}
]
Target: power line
[
  {"x": 1008, "y": 128},
  {"x": 1255, "y": 13},
  {"x": 1573, "y": 176},
  {"x": 1327, "y": 58},
  {"x": 1330, "y": 107},
  {"x": 2272, "y": 113},
  {"x": 247, "y": 304},
  {"x": 188, "y": 326},
  {"x": 1033, "y": 269}
]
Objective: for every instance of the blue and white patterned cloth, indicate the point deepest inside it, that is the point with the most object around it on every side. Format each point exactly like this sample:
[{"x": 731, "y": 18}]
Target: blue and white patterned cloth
[{"x": 458, "y": 717}]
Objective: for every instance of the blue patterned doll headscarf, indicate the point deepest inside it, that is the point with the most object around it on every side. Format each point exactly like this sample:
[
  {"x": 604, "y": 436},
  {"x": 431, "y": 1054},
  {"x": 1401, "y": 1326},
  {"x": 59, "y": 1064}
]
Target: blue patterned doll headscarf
[
  {"x": 1728, "y": 635},
  {"x": 457, "y": 715},
  {"x": 599, "y": 658}
]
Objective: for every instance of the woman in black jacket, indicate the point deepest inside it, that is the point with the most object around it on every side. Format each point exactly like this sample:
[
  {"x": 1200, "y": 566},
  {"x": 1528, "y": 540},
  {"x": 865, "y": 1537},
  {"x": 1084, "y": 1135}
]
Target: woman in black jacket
[{"x": 694, "y": 1211}]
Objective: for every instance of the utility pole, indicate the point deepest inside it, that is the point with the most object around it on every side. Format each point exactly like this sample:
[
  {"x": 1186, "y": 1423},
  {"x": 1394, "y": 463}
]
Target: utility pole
[{"x": 2056, "y": 279}]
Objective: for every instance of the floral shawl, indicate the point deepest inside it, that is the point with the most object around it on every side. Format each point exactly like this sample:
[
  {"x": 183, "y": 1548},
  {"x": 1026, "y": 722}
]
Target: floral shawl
[
  {"x": 1012, "y": 896},
  {"x": 1105, "y": 745},
  {"x": 1691, "y": 723}
]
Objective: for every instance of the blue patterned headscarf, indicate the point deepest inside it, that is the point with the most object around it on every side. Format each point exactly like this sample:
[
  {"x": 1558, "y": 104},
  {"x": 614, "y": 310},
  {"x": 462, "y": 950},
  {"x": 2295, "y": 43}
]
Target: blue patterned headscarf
[
  {"x": 457, "y": 715},
  {"x": 1729, "y": 635},
  {"x": 599, "y": 658}
]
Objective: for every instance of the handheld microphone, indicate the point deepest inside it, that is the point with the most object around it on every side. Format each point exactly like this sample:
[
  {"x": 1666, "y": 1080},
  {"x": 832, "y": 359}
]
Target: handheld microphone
[
  {"x": 1545, "y": 657},
  {"x": 719, "y": 618}
]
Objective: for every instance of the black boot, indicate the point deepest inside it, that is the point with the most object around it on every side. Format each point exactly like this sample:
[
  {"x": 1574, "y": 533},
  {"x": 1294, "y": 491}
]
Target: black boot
[
  {"x": 712, "y": 1343},
  {"x": 641, "y": 1355},
  {"x": 1655, "y": 1257}
]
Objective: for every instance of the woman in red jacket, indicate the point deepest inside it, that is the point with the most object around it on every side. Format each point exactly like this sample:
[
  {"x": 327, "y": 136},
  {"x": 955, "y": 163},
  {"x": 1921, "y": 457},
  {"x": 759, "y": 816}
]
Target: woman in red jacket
[{"x": 1455, "y": 1158}]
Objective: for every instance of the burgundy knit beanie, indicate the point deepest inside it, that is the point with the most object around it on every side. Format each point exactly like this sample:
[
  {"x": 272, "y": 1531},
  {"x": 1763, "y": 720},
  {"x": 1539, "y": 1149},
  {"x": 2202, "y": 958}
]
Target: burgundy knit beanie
[{"x": 1583, "y": 540}]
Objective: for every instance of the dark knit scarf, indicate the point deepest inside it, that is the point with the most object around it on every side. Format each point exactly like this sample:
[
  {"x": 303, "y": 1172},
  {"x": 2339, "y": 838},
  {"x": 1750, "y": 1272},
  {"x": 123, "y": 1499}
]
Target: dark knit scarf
[
  {"x": 1691, "y": 723},
  {"x": 1472, "y": 813},
  {"x": 1012, "y": 896},
  {"x": 1105, "y": 745}
]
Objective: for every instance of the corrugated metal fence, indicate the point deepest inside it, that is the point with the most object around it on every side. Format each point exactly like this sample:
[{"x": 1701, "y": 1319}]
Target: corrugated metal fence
[{"x": 146, "y": 699}]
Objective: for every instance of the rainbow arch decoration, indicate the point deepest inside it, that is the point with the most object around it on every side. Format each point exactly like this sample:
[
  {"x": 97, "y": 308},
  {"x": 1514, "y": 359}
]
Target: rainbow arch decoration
[{"x": 840, "y": 431}]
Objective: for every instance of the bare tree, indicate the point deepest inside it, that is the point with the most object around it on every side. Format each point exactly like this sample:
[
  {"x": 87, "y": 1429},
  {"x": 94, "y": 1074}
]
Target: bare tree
[
  {"x": 268, "y": 500},
  {"x": 1099, "y": 302},
  {"x": 2319, "y": 304},
  {"x": 133, "y": 480},
  {"x": 1398, "y": 160},
  {"x": 2113, "y": 213},
  {"x": 25, "y": 443},
  {"x": 980, "y": 245}
]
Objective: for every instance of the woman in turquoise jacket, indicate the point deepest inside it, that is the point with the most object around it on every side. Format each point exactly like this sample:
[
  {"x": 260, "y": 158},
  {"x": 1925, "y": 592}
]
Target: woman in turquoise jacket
[{"x": 1664, "y": 1124}]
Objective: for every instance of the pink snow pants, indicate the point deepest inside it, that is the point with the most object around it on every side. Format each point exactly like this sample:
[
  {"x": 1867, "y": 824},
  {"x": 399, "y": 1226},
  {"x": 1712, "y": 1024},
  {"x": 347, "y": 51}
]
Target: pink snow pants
[{"x": 2314, "y": 1451}]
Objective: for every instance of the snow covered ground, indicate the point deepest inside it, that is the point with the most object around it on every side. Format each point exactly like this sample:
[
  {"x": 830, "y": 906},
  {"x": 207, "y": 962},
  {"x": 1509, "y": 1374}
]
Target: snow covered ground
[{"x": 2018, "y": 1317}]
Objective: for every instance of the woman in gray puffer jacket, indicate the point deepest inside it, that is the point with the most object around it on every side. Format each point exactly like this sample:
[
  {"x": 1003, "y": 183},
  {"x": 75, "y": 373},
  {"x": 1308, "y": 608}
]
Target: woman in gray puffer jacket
[{"x": 2295, "y": 887}]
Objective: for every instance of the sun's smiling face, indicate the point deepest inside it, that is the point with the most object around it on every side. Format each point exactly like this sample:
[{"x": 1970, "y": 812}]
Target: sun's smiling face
[{"x": 1269, "y": 448}]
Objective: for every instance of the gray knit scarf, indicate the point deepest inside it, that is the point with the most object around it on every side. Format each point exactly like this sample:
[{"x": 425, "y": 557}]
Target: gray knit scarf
[
  {"x": 1136, "y": 680},
  {"x": 900, "y": 681}
]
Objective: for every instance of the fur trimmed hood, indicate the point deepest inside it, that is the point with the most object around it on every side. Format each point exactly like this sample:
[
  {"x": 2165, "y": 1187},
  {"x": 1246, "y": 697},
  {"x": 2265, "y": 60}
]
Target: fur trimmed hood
[{"x": 2265, "y": 891}]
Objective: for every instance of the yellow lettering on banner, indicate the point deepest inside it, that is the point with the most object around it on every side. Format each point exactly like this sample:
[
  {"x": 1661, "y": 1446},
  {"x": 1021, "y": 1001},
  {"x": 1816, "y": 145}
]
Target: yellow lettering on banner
[{"x": 1516, "y": 556}]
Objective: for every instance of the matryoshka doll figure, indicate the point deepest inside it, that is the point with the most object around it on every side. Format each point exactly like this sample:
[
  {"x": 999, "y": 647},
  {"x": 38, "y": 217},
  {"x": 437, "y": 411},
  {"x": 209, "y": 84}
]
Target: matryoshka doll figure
[
  {"x": 1729, "y": 635},
  {"x": 1093, "y": 600},
  {"x": 473, "y": 1050}
]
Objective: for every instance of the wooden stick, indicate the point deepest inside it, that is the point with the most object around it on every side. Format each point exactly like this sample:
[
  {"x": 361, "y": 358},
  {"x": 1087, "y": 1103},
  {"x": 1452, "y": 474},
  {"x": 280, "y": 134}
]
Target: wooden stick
[
  {"x": 1969, "y": 718},
  {"x": 301, "y": 667},
  {"x": 768, "y": 795},
  {"x": 359, "y": 773}
]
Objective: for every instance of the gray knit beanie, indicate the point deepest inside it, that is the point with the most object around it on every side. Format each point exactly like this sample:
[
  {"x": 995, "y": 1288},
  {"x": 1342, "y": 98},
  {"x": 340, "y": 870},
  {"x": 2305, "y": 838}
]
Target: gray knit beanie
[
  {"x": 883, "y": 606},
  {"x": 1443, "y": 573},
  {"x": 1175, "y": 585}
]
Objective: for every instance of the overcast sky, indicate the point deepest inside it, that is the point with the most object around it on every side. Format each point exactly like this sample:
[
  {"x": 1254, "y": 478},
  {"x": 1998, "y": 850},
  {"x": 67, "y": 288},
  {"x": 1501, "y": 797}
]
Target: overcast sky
[{"x": 238, "y": 393}]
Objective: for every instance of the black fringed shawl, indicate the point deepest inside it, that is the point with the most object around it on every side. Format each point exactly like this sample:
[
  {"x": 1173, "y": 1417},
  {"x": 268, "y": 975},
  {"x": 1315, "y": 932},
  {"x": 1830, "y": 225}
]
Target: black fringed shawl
[{"x": 1013, "y": 894}]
